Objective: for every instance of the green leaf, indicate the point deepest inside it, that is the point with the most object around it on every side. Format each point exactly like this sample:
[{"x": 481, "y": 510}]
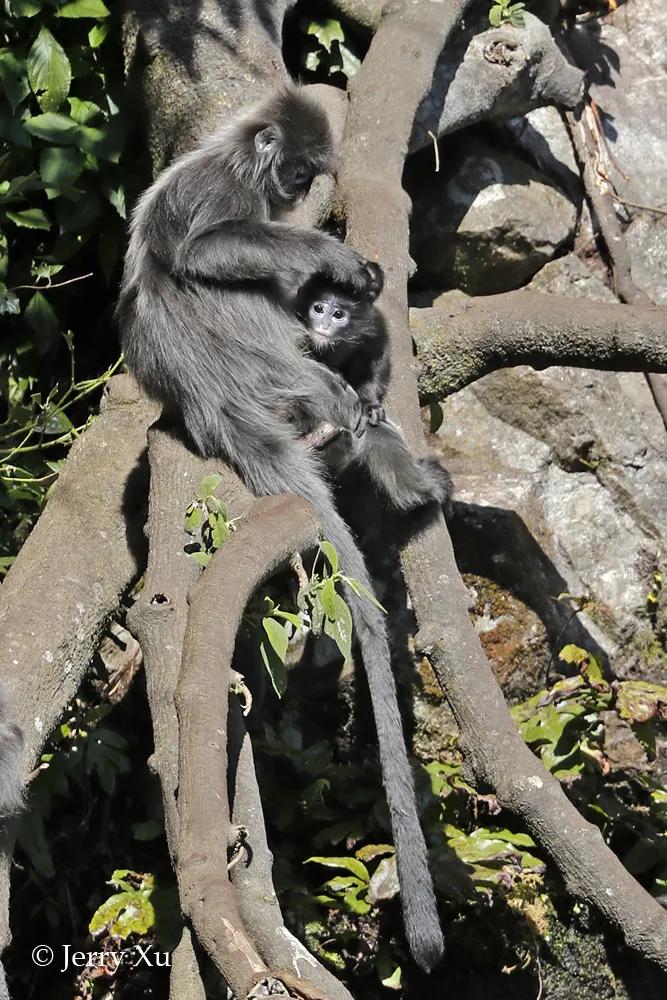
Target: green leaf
[
  {"x": 331, "y": 554},
  {"x": 360, "y": 591},
  {"x": 40, "y": 316},
  {"x": 124, "y": 914},
  {"x": 326, "y": 32},
  {"x": 53, "y": 127},
  {"x": 194, "y": 517},
  {"x": 59, "y": 168},
  {"x": 25, "y": 8},
  {"x": 495, "y": 17},
  {"x": 354, "y": 903},
  {"x": 30, "y": 218},
  {"x": 640, "y": 701},
  {"x": 150, "y": 829},
  {"x": 14, "y": 78},
  {"x": 83, "y": 8},
  {"x": 49, "y": 71},
  {"x": 341, "y": 883},
  {"x": 277, "y": 637},
  {"x": 208, "y": 486},
  {"x": 97, "y": 35},
  {"x": 340, "y": 629},
  {"x": 328, "y": 598},
  {"x": 202, "y": 558},
  {"x": 9, "y": 302},
  {"x": 274, "y": 664},
  {"x": 352, "y": 865},
  {"x": 219, "y": 530},
  {"x": 84, "y": 112}
]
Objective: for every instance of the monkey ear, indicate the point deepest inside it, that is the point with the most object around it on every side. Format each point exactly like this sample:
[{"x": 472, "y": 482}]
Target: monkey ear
[{"x": 266, "y": 138}]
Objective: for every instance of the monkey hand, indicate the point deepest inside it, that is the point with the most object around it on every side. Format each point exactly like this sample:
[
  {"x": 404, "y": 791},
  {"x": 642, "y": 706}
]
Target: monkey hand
[
  {"x": 376, "y": 414},
  {"x": 348, "y": 411},
  {"x": 344, "y": 266}
]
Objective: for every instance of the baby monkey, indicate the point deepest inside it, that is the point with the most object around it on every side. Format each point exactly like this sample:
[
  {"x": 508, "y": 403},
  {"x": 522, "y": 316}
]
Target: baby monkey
[{"x": 347, "y": 334}]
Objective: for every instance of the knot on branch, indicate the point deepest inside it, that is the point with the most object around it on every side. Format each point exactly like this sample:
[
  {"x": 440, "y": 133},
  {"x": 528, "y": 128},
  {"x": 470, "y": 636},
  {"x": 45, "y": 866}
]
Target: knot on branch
[{"x": 503, "y": 52}]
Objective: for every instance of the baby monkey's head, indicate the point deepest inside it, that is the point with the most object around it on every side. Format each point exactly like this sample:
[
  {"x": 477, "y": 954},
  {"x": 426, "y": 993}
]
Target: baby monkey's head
[{"x": 331, "y": 313}]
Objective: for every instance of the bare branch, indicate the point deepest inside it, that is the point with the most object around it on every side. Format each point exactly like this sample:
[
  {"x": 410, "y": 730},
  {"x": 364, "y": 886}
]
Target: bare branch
[
  {"x": 378, "y": 127},
  {"x": 273, "y": 530},
  {"x": 461, "y": 339}
]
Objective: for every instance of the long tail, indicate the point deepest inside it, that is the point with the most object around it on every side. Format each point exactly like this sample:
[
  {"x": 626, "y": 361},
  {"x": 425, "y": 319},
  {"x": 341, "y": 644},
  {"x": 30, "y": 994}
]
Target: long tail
[
  {"x": 406, "y": 481},
  {"x": 294, "y": 470},
  {"x": 234, "y": 423}
]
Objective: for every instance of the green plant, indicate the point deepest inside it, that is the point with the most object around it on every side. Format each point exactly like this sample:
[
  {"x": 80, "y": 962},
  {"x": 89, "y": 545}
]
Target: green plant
[
  {"x": 506, "y": 12},
  {"x": 207, "y": 521}
]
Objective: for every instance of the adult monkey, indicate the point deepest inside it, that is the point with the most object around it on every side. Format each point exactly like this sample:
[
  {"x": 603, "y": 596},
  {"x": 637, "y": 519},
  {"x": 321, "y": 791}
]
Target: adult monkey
[{"x": 207, "y": 329}]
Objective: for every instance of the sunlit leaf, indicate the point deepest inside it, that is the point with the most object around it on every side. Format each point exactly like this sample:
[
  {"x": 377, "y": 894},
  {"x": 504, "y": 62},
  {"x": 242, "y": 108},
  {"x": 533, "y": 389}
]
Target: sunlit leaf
[
  {"x": 30, "y": 218},
  {"x": 83, "y": 8},
  {"x": 49, "y": 71},
  {"x": 352, "y": 865}
]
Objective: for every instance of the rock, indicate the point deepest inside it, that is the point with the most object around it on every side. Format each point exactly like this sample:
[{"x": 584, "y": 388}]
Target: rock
[
  {"x": 561, "y": 488},
  {"x": 543, "y": 136},
  {"x": 488, "y": 225},
  {"x": 647, "y": 243},
  {"x": 569, "y": 276},
  {"x": 625, "y": 54}
]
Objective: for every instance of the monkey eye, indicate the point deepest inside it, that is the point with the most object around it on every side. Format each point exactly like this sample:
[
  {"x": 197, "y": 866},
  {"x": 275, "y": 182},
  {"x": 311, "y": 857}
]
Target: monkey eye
[
  {"x": 318, "y": 308},
  {"x": 338, "y": 314}
]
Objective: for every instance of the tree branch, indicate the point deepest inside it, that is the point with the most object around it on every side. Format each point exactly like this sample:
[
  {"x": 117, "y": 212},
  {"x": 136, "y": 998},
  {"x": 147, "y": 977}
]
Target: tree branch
[
  {"x": 253, "y": 881},
  {"x": 494, "y": 75},
  {"x": 80, "y": 557},
  {"x": 274, "y": 529},
  {"x": 379, "y": 123},
  {"x": 462, "y": 339}
]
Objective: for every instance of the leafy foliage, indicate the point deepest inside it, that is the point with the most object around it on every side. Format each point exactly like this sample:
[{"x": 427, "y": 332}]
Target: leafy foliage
[
  {"x": 506, "y": 12},
  {"x": 67, "y": 177},
  {"x": 329, "y": 49},
  {"x": 207, "y": 520}
]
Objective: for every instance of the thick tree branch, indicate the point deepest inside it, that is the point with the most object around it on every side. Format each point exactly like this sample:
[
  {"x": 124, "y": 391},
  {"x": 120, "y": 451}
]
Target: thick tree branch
[
  {"x": 495, "y": 75},
  {"x": 158, "y": 620},
  {"x": 82, "y": 554},
  {"x": 462, "y": 339},
  {"x": 253, "y": 880},
  {"x": 274, "y": 529},
  {"x": 379, "y": 124}
]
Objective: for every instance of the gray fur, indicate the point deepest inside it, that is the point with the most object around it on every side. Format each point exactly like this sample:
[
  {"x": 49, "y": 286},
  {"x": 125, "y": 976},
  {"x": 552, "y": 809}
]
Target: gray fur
[
  {"x": 11, "y": 750},
  {"x": 206, "y": 330},
  {"x": 345, "y": 332}
]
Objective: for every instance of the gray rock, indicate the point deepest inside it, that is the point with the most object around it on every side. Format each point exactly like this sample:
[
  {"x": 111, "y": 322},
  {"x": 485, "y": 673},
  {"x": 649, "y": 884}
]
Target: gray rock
[
  {"x": 543, "y": 136},
  {"x": 625, "y": 55},
  {"x": 647, "y": 242},
  {"x": 561, "y": 487},
  {"x": 570, "y": 277},
  {"x": 488, "y": 226}
]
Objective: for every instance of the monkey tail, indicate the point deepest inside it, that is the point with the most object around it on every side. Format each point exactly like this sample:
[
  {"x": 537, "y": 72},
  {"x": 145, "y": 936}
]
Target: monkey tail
[
  {"x": 292, "y": 469},
  {"x": 406, "y": 481}
]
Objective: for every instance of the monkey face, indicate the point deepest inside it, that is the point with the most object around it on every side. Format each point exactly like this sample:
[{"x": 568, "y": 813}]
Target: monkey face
[{"x": 328, "y": 317}]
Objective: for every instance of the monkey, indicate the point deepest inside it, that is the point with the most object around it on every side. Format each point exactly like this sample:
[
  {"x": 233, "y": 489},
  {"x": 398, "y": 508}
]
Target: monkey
[
  {"x": 11, "y": 749},
  {"x": 205, "y": 330},
  {"x": 346, "y": 333}
]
